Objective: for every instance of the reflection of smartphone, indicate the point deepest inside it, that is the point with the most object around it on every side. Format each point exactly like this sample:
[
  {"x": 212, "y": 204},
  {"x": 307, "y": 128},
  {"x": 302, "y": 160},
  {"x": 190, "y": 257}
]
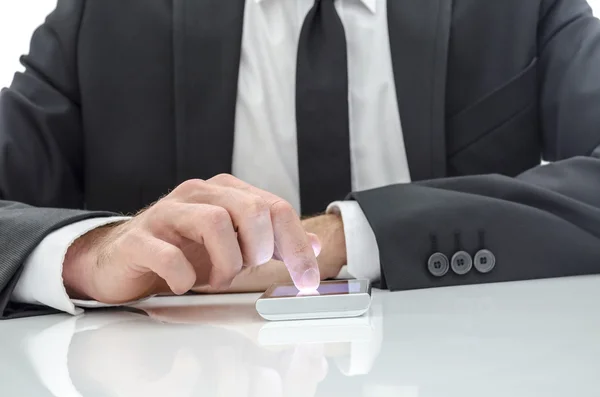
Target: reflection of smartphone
[
  {"x": 333, "y": 299},
  {"x": 337, "y": 330}
]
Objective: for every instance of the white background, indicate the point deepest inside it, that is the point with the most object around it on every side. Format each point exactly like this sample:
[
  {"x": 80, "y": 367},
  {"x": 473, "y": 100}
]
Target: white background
[{"x": 19, "y": 18}]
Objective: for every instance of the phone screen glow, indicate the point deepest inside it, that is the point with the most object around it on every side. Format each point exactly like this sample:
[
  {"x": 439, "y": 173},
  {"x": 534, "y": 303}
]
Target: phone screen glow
[{"x": 336, "y": 288}]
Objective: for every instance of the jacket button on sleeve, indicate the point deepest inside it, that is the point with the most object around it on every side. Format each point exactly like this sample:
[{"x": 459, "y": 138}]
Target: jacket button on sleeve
[{"x": 438, "y": 264}]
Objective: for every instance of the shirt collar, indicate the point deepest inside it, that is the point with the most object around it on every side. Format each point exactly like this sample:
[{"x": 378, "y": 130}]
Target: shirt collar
[{"x": 370, "y": 4}]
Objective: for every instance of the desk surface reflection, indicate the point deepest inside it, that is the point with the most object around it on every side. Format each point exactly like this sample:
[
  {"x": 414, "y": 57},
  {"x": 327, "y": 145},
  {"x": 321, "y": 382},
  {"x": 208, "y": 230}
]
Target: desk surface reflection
[{"x": 514, "y": 339}]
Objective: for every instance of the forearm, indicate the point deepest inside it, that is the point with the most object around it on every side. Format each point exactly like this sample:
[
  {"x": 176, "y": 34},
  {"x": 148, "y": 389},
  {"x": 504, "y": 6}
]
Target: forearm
[{"x": 545, "y": 223}]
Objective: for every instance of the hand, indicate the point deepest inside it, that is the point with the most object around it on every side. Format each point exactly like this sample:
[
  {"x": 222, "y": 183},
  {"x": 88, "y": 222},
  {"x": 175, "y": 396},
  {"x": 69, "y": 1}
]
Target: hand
[
  {"x": 331, "y": 258},
  {"x": 203, "y": 233}
]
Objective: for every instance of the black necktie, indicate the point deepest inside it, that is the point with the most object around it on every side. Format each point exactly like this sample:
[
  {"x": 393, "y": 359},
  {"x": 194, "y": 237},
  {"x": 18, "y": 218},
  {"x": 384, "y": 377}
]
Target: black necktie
[{"x": 322, "y": 109}]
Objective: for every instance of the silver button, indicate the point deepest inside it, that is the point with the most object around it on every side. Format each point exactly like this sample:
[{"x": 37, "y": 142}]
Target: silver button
[
  {"x": 438, "y": 264},
  {"x": 485, "y": 261},
  {"x": 462, "y": 263}
]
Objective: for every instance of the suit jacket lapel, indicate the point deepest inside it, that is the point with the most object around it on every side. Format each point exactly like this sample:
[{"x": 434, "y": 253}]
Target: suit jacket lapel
[
  {"x": 207, "y": 40},
  {"x": 419, "y": 34}
]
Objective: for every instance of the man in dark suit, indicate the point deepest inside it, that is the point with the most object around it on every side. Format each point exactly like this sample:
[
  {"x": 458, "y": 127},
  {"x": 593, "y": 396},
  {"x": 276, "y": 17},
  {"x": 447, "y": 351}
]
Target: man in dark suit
[{"x": 434, "y": 113}]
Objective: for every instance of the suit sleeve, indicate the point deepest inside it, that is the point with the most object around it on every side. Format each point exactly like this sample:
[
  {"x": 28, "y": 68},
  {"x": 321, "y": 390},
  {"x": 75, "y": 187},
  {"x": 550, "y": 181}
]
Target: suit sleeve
[
  {"x": 543, "y": 223},
  {"x": 41, "y": 151}
]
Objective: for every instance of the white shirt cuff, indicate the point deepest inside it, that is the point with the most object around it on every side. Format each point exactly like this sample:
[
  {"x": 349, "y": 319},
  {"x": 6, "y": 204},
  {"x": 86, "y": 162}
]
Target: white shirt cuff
[
  {"x": 41, "y": 282},
  {"x": 361, "y": 245}
]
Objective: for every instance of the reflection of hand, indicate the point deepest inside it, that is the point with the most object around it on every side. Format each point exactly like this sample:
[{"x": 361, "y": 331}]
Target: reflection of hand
[
  {"x": 241, "y": 318},
  {"x": 308, "y": 367},
  {"x": 129, "y": 360},
  {"x": 330, "y": 231},
  {"x": 202, "y": 233},
  {"x": 301, "y": 369},
  {"x": 240, "y": 376},
  {"x": 139, "y": 358}
]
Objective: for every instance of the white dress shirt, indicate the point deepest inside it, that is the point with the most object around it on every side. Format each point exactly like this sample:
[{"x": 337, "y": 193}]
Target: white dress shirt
[{"x": 265, "y": 151}]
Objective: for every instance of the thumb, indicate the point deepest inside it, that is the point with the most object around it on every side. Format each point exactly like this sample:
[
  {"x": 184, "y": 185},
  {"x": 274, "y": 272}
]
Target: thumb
[{"x": 315, "y": 242}]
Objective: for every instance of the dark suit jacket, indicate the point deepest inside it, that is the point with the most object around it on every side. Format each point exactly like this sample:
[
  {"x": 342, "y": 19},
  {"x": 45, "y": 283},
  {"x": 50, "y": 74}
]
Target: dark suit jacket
[{"x": 121, "y": 101}]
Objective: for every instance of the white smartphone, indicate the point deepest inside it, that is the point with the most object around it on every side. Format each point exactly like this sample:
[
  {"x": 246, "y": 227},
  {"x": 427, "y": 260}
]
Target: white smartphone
[{"x": 333, "y": 299}]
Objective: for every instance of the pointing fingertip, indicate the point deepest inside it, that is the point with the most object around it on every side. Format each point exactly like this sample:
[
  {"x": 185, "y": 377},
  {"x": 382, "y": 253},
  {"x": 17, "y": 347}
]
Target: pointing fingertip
[{"x": 310, "y": 280}]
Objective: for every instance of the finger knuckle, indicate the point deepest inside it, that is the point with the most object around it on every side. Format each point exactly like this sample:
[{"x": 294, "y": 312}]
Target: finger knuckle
[
  {"x": 224, "y": 179},
  {"x": 257, "y": 207},
  {"x": 283, "y": 209},
  {"x": 219, "y": 218},
  {"x": 191, "y": 185},
  {"x": 161, "y": 206},
  {"x": 169, "y": 256},
  {"x": 154, "y": 218}
]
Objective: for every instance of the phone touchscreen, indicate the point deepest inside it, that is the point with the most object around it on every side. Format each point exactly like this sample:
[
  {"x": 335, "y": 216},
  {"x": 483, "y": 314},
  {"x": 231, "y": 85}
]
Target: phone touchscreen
[{"x": 341, "y": 287}]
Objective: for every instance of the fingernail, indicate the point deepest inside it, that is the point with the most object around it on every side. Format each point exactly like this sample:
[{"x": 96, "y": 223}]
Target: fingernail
[{"x": 311, "y": 279}]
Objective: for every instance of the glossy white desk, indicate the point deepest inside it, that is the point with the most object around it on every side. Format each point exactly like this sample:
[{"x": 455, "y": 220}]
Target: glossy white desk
[{"x": 538, "y": 338}]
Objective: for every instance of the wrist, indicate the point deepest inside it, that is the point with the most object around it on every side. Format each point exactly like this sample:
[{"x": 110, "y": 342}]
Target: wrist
[
  {"x": 81, "y": 261},
  {"x": 77, "y": 265},
  {"x": 330, "y": 230}
]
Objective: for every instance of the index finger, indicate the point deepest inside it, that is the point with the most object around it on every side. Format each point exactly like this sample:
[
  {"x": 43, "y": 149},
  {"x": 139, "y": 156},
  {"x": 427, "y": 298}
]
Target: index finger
[
  {"x": 291, "y": 240},
  {"x": 294, "y": 246}
]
